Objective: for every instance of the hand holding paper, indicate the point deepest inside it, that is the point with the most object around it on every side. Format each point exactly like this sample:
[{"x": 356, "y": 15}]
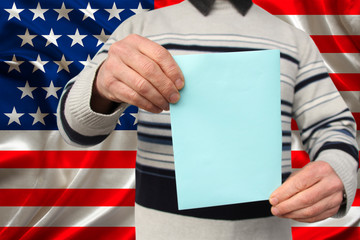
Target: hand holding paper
[{"x": 227, "y": 128}]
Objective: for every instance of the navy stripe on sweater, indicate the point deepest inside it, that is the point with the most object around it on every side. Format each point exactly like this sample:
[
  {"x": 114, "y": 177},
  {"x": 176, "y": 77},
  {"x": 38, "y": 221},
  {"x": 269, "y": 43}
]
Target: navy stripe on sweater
[
  {"x": 310, "y": 80},
  {"x": 223, "y": 49},
  {"x": 71, "y": 133},
  {"x": 159, "y": 192},
  {"x": 350, "y": 149}
]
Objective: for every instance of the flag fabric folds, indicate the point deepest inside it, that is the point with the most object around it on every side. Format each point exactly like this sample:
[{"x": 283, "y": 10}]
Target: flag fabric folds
[
  {"x": 51, "y": 190},
  {"x": 48, "y": 189}
]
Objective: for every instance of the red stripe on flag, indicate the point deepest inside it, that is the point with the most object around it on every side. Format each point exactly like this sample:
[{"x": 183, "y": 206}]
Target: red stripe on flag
[
  {"x": 357, "y": 119},
  {"x": 299, "y": 159},
  {"x": 346, "y": 81},
  {"x": 310, "y": 7},
  {"x": 67, "y": 159},
  {"x": 78, "y": 233},
  {"x": 67, "y": 197},
  {"x": 329, "y": 233},
  {"x": 294, "y": 125},
  {"x": 356, "y": 202},
  {"x": 337, "y": 43},
  {"x": 356, "y": 115},
  {"x": 165, "y": 3}
]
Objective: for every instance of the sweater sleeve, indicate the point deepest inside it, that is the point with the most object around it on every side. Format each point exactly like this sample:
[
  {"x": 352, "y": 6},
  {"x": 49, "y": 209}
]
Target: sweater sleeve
[
  {"x": 77, "y": 122},
  {"x": 327, "y": 126}
]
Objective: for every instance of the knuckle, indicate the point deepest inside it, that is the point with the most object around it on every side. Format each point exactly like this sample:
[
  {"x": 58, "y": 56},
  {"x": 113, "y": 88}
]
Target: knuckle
[
  {"x": 109, "y": 65},
  {"x": 114, "y": 48},
  {"x": 132, "y": 37},
  {"x": 141, "y": 87},
  {"x": 148, "y": 69},
  {"x": 172, "y": 70},
  {"x": 324, "y": 168},
  {"x": 119, "y": 49},
  {"x": 161, "y": 53},
  {"x": 304, "y": 201},
  {"x": 299, "y": 185},
  {"x": 133, "y": 97},
  {"x": 167, "y": 88},
  {"x": 310, "y": 212}
]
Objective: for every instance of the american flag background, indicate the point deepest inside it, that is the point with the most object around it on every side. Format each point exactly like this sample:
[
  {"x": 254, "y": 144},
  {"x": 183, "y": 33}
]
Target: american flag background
[{"x": 50, "y": 190}]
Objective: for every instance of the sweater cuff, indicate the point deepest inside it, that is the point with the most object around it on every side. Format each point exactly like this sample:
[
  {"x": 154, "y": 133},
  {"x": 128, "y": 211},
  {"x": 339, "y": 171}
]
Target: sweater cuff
[
  {"x": 346, "y": 168},
  {"x": 78, "y": 111}
]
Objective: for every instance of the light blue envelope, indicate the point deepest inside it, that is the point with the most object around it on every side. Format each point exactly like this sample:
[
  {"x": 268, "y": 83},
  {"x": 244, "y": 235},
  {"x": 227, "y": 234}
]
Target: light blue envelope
[{"x": 226, "y": 128}]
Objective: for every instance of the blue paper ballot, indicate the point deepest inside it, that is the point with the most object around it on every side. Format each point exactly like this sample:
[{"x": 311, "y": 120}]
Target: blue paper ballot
[{"x": 226, "y": 128}]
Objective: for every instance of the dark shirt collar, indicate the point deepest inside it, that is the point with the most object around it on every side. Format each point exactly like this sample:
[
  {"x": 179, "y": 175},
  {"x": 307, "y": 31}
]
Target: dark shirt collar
[{"x": 205, "y": 6}]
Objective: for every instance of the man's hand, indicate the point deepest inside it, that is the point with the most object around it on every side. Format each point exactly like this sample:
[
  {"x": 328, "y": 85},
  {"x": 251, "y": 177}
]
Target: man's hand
[
  {"x": 312, "y": 194},
  {"x": 139, "y": 72}
]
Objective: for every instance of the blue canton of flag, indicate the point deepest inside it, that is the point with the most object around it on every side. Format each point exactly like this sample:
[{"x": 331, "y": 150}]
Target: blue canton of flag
[{"x": 43, "y": 44}]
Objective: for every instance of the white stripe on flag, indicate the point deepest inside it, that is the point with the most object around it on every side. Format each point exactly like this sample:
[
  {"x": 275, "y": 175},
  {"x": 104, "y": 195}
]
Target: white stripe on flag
[
  {"x": 296, "y": 144},
  {"x": 351, "y": 220},
  {"x": 52, "y": 178},
  {"x": 67, "y": 217},
  {"x": 352, "y": 99},
  {"x": 51, "y": 140},
  {"x": 322, "y": 24},
  {"x": 342, "y": 62}
]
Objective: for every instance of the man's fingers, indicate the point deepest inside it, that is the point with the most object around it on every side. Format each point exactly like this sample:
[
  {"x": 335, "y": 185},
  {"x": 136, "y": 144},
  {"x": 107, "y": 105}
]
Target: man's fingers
[
  {"x": 310, "y": 175},
  {"x": 153, "y": 74},
  {"x": 150, "y": 74},
  {"x": 162, "y": 57},
  {"x": 324, "y": 208},
  {"x": 319, "y": 197},
  {"x": 320, "y": 217},
  {"x": 130, "y": 96},
  {"x": 293, "y": 185},
  {"x": 137, "y": 86},
  {"x": 153, "y": 62}
]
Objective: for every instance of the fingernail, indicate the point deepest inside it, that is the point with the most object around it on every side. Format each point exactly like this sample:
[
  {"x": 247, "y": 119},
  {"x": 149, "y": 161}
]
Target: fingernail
[
  {"x": 174, "y": 97},
  {"x": 274, "y": 201},
  {"x": 179, "y": 84}
]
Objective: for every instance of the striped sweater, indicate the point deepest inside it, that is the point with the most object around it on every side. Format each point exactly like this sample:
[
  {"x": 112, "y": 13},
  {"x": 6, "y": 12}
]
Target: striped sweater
[{"x": 307, "y": 95}]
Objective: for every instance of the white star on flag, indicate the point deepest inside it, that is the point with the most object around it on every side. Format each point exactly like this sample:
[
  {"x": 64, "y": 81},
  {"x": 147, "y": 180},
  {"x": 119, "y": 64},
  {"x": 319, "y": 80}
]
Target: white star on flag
[
  {"x": 102, "y": 37},
  {"x": 63, "y": 64},
  {"x": 87, "y": 61},
  {"x": 139, "y": 9},
  {"x": 63, "y": 12},
  {"x": 14, "y": 64},
  {"x": 114, "y": 12},
  {"x": 119, "y": 122},
  {"x": 14, "y": 116},
  {"x": 135, "y": 115},
  {"x": 38, "y": 64},
  {"x": 77, "y": 38},
  {"x": 38, "y": 12},
  {"x": 27, "y": 90},
  {"x": 14, "y": 12},
  {"x": 51, "y": 90},
  {"x": 51, "y": 38},
  {"x": 89, "y": 12},
  {"x": 38, "y": 116},
  {"x": 27, "y": 38}
]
